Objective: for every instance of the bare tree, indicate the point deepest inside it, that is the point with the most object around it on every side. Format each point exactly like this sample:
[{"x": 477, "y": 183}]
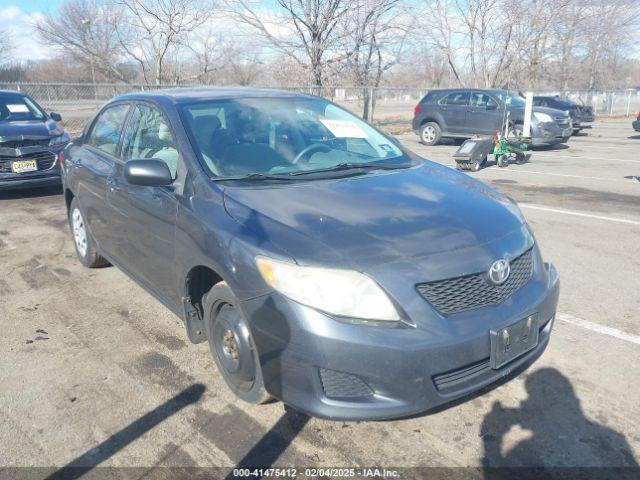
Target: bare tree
[
  {"x": 150, "y": 29},
  {"x": 306, "y": 30},
  {"x": 608, "y": 26},
  {"x": 373, "y": 40},
  {"x": 86, "y": 31},
  {"x": 435, "y": 30},
  {"x": 6, "y": 45}
]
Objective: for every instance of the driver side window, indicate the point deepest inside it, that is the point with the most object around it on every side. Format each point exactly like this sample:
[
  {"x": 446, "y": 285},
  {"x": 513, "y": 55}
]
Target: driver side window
[{"x": 148, "y": 136}]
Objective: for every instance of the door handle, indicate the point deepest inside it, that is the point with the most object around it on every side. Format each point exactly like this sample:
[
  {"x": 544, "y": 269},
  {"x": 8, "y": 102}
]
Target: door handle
[{"x": 112, "y": 183}]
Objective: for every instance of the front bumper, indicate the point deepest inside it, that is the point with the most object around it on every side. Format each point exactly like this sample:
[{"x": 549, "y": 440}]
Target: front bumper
[
  {"x": 547, "y": 134},
  {"x": 408, "y": 369}
]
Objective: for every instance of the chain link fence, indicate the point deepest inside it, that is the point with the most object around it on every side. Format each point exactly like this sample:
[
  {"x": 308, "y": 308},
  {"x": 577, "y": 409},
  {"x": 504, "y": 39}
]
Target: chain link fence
[{"x": 388, "y": 107}]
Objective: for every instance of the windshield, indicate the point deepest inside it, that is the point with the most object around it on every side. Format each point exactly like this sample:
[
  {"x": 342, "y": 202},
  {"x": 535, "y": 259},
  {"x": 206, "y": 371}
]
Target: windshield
[
  {"x": 15, "y": 108},
  {"x": 512, "y": 99},
  {"x": 283, "y": 136}
]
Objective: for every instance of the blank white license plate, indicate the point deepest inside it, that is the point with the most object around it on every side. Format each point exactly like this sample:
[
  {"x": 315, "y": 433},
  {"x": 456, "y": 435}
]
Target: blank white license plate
[{"x": 22, "y": 166}]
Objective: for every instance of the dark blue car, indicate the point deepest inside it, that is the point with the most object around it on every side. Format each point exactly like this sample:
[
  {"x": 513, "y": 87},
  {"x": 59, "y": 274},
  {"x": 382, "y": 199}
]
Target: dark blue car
[
  {"x": 326, "y": 265},
  {"x": 30, "y": 140}
]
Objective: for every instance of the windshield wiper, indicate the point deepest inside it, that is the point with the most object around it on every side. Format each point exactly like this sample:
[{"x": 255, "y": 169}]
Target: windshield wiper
[
  {"x": 359, "y": 167},
  {"x": 256, "y": 176},
  {"x": 355, "y": 166}
]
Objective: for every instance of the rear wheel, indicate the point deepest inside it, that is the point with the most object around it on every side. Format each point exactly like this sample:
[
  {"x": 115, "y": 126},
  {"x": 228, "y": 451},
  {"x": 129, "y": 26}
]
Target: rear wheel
[
  {"x": 82, "y": 240},
  {"x": 232, "y": 345},
  {"x": 477, "y": 165},
  {"x": 430, "y": 134}
]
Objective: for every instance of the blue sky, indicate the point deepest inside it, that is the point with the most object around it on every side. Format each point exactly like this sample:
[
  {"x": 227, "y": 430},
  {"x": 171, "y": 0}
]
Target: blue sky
[
  {"x": 18, "y": 17},
  {"x": 31, "y": 6}
]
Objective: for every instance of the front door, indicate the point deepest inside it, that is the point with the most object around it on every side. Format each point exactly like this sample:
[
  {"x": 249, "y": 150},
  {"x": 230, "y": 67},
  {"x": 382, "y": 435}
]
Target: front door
[
  {"x": 94, "y": 167},
  {"x": 484, "y": 115},
  {"x": 146, "y": 215}
]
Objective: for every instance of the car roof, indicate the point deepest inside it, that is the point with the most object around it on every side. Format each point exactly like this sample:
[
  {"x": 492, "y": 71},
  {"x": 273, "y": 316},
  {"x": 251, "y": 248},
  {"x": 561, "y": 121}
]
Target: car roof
[
  {"x": 468, "y": 89},
  {"x": 194, "y": 94}
]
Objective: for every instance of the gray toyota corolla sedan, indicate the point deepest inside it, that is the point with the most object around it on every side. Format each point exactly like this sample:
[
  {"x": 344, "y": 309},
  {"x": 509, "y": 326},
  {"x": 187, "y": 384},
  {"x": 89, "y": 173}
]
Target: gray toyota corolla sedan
[{"x": 326, "y": 265}]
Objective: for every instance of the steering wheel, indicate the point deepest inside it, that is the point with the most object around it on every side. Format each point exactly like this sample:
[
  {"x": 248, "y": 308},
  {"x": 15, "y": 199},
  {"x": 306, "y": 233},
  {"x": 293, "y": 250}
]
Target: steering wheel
[{"x": 309, "y": 148}]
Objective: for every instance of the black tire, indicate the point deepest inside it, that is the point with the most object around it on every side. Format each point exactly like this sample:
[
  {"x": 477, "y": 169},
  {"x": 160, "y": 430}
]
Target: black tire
[
  {"x": 232, "y": 345},
  {"x": 82, "y": 240},
  {"x": 476, "y": 166},
  {"x": 503, "y": 161},
  {"x": 430, "y": 134}
]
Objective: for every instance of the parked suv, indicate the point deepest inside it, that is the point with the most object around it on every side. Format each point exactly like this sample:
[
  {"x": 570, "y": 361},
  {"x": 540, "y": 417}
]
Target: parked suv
[
  {"x": 463, "y": 113},
  {"x": 326, "y": 265},
  {"x": 30, "y": 140},
  {"x": 582, "y": 116}
]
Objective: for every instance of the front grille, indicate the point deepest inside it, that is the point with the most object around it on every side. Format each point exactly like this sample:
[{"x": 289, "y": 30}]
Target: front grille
[
  {"x": 343, "y": 385},
  {"x": 459, "y": 294},
  {"x": 562, "y": 121},
  {"x": 45, "y": 160}
]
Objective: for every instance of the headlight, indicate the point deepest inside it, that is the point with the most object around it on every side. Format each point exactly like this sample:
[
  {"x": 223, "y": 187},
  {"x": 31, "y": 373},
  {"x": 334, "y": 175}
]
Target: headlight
[
  {"x": 542, "y": 117},
  {"x": 59, "y": 141},
  {"x": 345, "y": 293}
]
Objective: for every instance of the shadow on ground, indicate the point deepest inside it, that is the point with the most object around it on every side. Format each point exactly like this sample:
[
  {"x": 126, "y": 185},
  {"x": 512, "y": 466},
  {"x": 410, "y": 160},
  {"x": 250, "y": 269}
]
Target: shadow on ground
[
  {"x": 560, "y": 434},
  {"x": 19, "y": 193},
  {"x": 80, "y": 466}
]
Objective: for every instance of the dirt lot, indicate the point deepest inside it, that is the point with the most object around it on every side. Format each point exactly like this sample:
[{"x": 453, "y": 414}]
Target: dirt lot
[{"x": 95, "y": 372}]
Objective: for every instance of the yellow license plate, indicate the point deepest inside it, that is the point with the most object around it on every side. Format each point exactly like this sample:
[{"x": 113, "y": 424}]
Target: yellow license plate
[{"x": 21, "y": 166}]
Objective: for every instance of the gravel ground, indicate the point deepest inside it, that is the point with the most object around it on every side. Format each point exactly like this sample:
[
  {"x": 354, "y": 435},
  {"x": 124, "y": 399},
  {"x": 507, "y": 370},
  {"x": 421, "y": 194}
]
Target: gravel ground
[{"x": 95, "y": 372}]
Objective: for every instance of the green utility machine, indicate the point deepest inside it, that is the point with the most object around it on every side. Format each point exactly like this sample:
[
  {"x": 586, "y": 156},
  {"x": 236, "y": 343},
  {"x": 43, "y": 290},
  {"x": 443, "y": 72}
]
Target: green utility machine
[{"x": 506, "y": 144}]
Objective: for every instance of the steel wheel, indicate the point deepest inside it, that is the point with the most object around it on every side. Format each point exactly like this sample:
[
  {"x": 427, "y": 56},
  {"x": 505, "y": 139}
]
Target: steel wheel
[
  {"x": 79, "y": 232},
  {"x": 232, "y": 345},
  {"x": 233, "y": 348}
]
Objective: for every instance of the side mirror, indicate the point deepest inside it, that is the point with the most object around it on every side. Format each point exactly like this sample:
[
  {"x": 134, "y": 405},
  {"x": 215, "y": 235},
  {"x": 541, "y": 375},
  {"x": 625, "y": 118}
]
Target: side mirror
[
  {"x": 55, "y": 117},
  {"x": 492, "y": 106},
  {"x": 147, "y": 173}
]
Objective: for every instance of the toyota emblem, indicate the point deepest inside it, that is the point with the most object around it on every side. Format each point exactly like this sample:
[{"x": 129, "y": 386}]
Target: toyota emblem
[{"x": 499, "y": 271}]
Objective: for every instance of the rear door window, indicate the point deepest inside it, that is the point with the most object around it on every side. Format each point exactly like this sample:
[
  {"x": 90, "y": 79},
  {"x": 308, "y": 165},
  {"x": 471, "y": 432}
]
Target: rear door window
[
  {"x": 480, "y": 99},
  {"x": 456, "y": 98},
  {"x": 106, "y": 131}
]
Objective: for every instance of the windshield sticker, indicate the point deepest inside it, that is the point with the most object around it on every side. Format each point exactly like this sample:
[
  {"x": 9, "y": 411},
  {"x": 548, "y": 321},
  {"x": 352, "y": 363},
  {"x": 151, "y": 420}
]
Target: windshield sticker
[
  {"x": 344, "y": 129},
  {"x": 18, "y": 108},
  {"x": 386, "y": 147}
]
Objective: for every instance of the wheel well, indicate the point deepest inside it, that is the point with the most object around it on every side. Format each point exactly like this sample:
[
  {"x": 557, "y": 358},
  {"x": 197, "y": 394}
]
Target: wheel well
[
  {"x": 429, "y": 120},
  {"x": 68, "y": 197},
  {"x": 199, "y": 281}
]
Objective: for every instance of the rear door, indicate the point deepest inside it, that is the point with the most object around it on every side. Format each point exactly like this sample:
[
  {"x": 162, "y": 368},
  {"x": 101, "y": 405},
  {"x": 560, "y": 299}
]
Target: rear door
[
  {"x": 145, "y": 216},
  {"x": 92, "y": 168},
  {"x": 484, "y": 115},
  {"x": 453, "y": 109}
]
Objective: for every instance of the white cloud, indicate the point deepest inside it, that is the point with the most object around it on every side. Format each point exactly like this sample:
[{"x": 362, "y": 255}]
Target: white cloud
[{"x": 21, "y": 28}]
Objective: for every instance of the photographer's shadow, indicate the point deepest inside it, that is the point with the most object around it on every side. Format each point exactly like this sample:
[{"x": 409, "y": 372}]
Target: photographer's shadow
[{"x": 561, "y": 435}]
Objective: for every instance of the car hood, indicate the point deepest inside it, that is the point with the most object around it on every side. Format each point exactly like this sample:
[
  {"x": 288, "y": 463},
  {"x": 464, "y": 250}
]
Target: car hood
[
  {"x": 518, "y": 112},
  {"x": 29, "y": 129},
  {"x": 380, "y": 217}
]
